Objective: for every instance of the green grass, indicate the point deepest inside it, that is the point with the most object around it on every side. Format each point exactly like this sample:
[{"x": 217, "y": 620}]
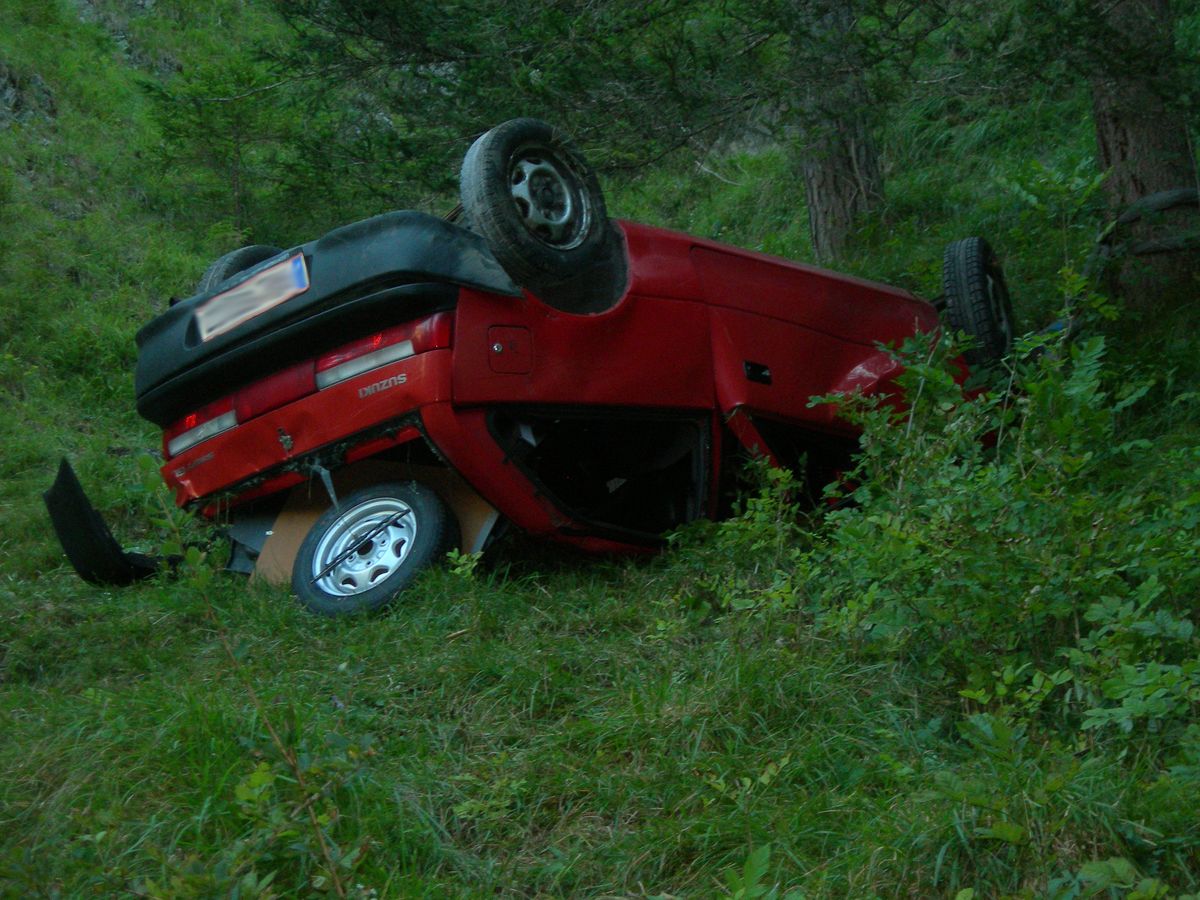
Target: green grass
[
  {"x": 575, "y": 732},
  {"x": 565, "y": 743},
  {"x": 549, "y": 725}
]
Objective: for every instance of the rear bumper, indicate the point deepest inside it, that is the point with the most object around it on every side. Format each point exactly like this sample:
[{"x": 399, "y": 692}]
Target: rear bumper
[
  {"x": 347, "y": 421},
  {"x": 396, "y": 267}
]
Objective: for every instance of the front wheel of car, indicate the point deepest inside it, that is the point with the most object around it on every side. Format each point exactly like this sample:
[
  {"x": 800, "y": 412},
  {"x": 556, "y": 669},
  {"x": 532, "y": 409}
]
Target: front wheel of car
[
  {"x": 977, "y": 300},
  {"x": 362, "y": 552},
  {"x": 537, "y": 202}
]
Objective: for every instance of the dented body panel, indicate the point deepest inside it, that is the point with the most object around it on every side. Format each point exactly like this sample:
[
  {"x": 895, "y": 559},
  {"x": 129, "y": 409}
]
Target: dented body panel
[{"x": 410, "y": 350}]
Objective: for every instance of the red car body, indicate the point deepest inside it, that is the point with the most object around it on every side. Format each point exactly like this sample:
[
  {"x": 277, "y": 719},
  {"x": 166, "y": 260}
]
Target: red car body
[
  {"x": 351, "y": 408},
  {"x": 710, "y": 350}
]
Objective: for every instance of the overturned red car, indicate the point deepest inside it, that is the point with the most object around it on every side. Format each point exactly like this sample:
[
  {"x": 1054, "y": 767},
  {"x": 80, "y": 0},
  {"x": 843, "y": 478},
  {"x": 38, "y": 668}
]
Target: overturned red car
[{"x": 353, "y": 407}]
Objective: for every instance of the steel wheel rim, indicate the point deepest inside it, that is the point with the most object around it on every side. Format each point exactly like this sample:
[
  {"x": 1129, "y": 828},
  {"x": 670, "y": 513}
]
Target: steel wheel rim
[
  {"x": 549, "y": 198},
  {"x": 376, "y": 558},
  {"x": 997, "y": 301}
]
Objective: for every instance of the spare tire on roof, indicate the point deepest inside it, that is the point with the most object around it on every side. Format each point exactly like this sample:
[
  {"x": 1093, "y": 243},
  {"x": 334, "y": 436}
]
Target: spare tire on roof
[{"x": 537, "y": 202}]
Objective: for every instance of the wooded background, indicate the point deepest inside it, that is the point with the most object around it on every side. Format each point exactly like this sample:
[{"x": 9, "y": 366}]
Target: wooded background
[{"x": 384, "y": 95}]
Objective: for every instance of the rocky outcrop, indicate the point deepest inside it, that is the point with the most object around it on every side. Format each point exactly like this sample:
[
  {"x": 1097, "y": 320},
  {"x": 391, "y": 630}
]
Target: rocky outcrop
[{"x": 23, "y": 96}]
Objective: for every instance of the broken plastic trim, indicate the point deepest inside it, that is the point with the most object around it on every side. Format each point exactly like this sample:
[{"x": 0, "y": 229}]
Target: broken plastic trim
[{"x": 87, "y": 540}]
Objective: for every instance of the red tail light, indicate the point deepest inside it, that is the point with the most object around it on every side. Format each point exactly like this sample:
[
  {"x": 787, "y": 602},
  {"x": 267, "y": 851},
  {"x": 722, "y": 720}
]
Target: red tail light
[
  {"x": 382, "y": 348},
  {"x": 274, "y": 391},
  {"x": 433, "y": 333},
  {"x": 295, "y": 382},
  {"x": 206, "y": 422}
]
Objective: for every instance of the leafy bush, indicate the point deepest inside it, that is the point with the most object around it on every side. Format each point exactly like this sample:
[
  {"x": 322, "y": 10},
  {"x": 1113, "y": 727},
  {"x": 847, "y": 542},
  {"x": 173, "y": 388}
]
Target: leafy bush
[
  {"x": 1034, "y": 562},
  {"x": 962, "y": 492}
]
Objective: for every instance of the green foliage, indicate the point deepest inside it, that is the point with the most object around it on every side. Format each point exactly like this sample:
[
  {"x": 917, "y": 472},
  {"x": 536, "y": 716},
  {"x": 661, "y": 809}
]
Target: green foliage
[
  {"x": 940, "y": 520},
  {"x": 1062, "y": 206},
  {"x": 973, "y": 674},
  {"x": 748, "y": 883},
  {"x": 219, "y": 125},
  {"x": 765, "y": 530},
  {"x": 998, "y": 542},
  {"x": 463, "y": 565},
  {"x": 289, "y": 816}
]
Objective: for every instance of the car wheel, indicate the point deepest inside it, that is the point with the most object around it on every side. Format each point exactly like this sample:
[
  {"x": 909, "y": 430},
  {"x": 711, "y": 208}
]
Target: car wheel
[
  {"x": 233, "y": 262},
  {"x": 977, "y": 300},
  {"x": 536, "y": 201},
  {"x": 360, "y": 554}
]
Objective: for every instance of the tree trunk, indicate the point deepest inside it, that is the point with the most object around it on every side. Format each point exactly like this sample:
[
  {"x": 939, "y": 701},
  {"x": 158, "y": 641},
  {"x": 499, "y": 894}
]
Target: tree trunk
[
  {"x": 1144, "y": 146},
  {"x": 838, "y": 158},
  {"x": 842, "y": 183}
]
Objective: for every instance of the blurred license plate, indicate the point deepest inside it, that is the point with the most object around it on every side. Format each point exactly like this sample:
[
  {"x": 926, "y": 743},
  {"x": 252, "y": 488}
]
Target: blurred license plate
[{"x": 263, "y": 291}]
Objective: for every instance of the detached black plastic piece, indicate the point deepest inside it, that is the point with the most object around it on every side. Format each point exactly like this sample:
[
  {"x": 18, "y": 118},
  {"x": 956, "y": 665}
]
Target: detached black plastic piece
[{"x": 88, "y": 543}]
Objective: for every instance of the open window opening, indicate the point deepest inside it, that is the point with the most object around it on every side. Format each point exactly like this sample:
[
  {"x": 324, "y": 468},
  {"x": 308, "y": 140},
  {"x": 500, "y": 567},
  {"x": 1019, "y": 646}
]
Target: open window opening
[
  {"x": 816, "y": 457},
  {"x": 636, "y": 474}
]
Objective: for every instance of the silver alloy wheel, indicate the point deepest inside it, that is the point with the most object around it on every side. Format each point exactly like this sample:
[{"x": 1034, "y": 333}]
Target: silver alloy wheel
[
  {"x": 549, "y": 198},
  {"x": 363, "y": 547}
]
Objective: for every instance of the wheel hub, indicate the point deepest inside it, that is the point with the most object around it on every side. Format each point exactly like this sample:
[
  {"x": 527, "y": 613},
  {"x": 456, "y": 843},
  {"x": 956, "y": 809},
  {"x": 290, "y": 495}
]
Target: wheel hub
[
  {"x": 363, "y": 547},
  {"x": 996, "y": 300},
  {"x": 548, "y": 201}
]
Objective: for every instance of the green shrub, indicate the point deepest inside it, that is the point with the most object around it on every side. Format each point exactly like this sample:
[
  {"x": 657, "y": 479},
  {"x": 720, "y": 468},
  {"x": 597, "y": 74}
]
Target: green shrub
[{"x": 997, "y": 538}]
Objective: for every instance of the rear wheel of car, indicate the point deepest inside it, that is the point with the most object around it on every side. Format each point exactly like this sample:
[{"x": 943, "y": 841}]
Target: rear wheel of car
[
  {"x": 360, "y": 554},
  {"x": 233, "y": 262},
  {"x": 977, "y": 300},
  {"x": 535, "y": 200}
]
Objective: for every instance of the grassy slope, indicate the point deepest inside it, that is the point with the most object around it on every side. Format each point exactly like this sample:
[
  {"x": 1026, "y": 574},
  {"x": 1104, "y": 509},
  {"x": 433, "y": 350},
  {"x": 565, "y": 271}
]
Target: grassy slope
[{"x": 561, "y": 728}]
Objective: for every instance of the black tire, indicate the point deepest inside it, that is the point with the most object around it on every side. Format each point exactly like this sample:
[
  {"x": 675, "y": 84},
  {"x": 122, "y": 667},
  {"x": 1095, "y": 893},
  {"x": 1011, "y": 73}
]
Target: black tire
[
  {"x": 233, "y": 262},
  {"x": 536, "y": 201},
  {"x": 359, "y": 555},
  {"x": 977, "y": 300}
]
